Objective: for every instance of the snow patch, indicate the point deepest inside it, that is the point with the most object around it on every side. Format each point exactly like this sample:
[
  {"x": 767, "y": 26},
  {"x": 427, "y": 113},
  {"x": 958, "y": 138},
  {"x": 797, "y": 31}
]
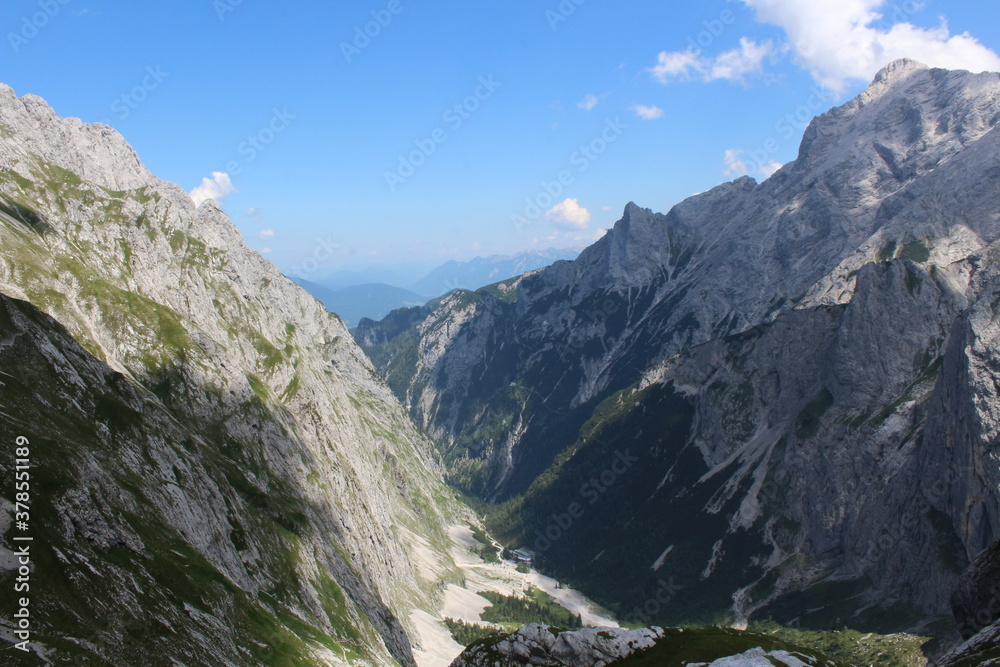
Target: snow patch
[{"x": 658, "y": 563}]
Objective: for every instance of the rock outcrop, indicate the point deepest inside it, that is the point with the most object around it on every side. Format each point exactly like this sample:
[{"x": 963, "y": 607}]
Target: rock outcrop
[
  {"x": 758, "y": 657},
  {"x": 545, "y": 646}
]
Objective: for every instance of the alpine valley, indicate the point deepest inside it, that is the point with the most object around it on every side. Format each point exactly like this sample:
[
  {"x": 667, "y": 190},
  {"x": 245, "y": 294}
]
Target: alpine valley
[{"x": 772, "y": 412}]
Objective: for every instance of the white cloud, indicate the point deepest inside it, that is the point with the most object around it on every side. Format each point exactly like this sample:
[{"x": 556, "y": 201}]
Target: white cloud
[
  {"x": 737, "y": 165},
  {"x": 266, "y": 234},
  {"x": 606, "y": 208},
  {"x": 839, "y": 41},
  {"x": 647, "y": 112},
  {"x": 768, "y": 170},
  {"x": 588, "y": 102},
  {"x": 218, "y": 188},
  {"x": 676, "y": 65},
  {"x": 734, "y": 65},
  {"x": 266, "y": 251},
  {"x": 568, "y": 215}
]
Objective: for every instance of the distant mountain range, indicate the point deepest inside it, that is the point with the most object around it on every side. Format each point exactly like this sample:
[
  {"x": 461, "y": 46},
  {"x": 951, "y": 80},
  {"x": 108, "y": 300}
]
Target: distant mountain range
[
  {"x": 375, "y": 300},
  {"x": 353, "y": 303},
  {"x": 483, "y": 271}
]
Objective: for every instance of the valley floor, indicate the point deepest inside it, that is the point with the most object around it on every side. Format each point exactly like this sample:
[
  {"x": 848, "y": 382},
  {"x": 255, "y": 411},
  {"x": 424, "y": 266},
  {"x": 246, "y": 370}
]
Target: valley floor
[{"x": 434, "y": 645}]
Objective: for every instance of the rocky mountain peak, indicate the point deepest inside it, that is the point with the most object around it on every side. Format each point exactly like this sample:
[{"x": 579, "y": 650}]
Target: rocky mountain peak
[
  {"x": 97, "y": 153},
  {"x": 898, "y": 70},
  {"x": 911, "y": 120}
]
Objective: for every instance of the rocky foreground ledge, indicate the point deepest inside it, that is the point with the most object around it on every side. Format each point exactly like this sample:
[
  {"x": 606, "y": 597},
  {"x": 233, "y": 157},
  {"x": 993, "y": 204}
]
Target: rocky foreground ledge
[
  {"x": 537, "y": 644},
  {"x": 546, "y": 646}
]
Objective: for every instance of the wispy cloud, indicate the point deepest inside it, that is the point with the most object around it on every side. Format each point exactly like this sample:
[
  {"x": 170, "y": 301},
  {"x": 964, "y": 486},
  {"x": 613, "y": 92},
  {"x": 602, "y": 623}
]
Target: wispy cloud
[
  {"x": 218, "y": 188},
  {"x": 736, "y": 166},
  {"x": 266, "y": 234},
  {"x": 647, "y": 112},
  {"x": 588, "y": 102},
  {"x": 735, "y": 65}
]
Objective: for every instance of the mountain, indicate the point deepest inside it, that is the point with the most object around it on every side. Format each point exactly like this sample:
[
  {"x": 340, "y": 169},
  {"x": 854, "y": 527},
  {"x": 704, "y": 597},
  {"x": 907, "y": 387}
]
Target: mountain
[
  {"x": 483, "y": 271},
  {"x": 398, "y": 274},
  {"x": 216, "y": 473},
  {"x": 776, "y": 400},
  {"x": 353, "y": 303}
]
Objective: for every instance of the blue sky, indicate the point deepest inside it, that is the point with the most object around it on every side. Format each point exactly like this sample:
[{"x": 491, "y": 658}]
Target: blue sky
[{"x": 455, "y": 129}]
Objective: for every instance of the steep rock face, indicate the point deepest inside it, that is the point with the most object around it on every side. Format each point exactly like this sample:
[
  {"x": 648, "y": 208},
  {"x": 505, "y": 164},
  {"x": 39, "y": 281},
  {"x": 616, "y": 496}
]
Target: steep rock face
[
  {"x": 314, "y": 491},
  {"x": 982, "y": 650},
  {"x": 975, "y": 603},
  {"x": 766, "y": 463},
  {"x": 804, "y": 374}
]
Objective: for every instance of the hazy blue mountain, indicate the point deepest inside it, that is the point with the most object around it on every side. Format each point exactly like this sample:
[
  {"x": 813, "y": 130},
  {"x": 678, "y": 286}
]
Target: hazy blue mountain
[
  {"x": 483, "y": 271},
  {"x": 400, "y": 274},
  {"x": 373, "y": 301}
]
